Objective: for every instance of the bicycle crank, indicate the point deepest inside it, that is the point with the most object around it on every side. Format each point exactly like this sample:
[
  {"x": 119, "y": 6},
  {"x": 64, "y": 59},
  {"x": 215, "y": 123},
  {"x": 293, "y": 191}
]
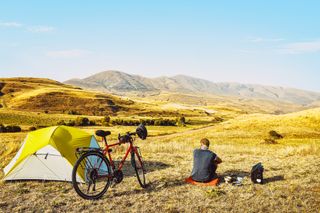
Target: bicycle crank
[{"x": 117, "y": 176}]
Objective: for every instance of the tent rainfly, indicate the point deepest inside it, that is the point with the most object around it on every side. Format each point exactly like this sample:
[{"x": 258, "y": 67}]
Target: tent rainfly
[{"x": 48, "y": 154}]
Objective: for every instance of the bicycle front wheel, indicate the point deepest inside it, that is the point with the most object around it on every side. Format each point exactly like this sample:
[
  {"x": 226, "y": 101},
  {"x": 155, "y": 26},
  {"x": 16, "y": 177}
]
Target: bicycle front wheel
[
  {"x": 138, "y": 165},
  {"x": 91, "y": 175}
]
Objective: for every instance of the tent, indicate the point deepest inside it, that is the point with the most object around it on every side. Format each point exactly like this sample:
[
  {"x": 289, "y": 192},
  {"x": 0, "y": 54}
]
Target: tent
[{"x": 48, "y": 154}]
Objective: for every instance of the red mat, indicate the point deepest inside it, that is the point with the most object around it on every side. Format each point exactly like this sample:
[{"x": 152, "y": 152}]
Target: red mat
[{"x": 214, "y": 182}]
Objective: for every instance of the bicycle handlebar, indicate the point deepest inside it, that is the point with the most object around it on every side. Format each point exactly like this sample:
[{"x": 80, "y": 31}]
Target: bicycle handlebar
[
  {"x": 141, "y": 131},
  {"x": 126, "y": 138},
  {"x": 131, "y": 133}
]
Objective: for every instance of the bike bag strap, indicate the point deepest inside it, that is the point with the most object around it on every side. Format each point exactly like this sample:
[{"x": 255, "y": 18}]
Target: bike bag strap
[{"x": 87, "y": 149}]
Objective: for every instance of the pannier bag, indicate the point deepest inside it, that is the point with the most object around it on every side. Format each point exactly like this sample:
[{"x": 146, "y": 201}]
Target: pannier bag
[{"x": 257, "y": 173}]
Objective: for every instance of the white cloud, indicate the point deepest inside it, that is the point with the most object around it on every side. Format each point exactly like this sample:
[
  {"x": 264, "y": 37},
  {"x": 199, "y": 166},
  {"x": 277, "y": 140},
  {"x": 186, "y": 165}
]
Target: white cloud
[
  {"x": 40, "y": 29},
  {"x": 10, "y": 24},
  {"x": 74, "y": 53},
  {"x": 260, "y": 39},
  {"x": 301, "y": 47},
  {"x": 34, "y": 29}
]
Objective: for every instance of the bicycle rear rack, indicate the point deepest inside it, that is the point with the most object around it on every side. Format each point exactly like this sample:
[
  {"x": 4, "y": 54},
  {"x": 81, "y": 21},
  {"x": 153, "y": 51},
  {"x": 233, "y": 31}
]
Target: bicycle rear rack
[{"x": 81, "y": 150}]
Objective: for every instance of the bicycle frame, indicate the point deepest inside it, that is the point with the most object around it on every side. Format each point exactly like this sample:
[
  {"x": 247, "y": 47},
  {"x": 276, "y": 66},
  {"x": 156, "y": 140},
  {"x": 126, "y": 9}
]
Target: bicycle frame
[{"x": 130, "y": 149}]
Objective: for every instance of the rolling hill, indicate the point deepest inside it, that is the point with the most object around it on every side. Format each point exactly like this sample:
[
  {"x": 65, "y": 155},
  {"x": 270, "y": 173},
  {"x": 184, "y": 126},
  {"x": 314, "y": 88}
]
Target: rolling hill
[
  {"x": 49, "y": 96},
  {"x": 39, "y": 95},
  {"x": 52, "y": 97},
  {"x": 120, "y": 82}
]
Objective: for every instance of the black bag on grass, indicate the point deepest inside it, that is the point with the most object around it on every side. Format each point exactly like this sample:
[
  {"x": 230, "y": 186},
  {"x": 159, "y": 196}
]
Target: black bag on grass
[{"x": 257, "y": 173}]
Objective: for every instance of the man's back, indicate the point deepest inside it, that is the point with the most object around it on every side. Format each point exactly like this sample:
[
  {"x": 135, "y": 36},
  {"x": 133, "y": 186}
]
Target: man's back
[{"x": 203, "y": 165}]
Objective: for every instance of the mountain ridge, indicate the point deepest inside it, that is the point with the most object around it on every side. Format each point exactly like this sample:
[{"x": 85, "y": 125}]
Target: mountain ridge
[{"x": 121, "y": 82}]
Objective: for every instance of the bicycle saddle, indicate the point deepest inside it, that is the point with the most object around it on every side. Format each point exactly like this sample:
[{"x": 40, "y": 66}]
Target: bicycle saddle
[{"x": 102, "y": 133}]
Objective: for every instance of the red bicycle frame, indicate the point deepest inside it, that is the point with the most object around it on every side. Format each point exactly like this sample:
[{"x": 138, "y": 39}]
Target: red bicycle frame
[{"x": 108, "y": 150}]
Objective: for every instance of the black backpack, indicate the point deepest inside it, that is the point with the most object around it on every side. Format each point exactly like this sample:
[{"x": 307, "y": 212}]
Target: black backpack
[{"x": 257, "y": 173}]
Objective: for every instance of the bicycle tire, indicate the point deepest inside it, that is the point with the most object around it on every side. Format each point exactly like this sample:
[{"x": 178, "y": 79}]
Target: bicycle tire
[
  {"x": 138, "y": 165},
  {"x": 76, "y": 183}
]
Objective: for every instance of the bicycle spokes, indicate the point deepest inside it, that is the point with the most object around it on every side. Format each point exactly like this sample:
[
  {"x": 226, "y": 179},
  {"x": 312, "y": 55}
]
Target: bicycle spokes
[{"x": 94, "y": 171}]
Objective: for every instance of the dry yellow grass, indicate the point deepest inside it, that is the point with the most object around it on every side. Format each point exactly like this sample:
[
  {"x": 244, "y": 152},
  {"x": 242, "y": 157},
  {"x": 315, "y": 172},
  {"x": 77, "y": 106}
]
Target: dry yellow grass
[
  {"x": 227, "y": 104},
  {"x": 291, "y": 165},
  {"x": 291, "y": 172}
]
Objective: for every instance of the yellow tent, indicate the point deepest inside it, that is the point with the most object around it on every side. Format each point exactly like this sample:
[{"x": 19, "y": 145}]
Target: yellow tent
[{"x": 48, "y": 154}]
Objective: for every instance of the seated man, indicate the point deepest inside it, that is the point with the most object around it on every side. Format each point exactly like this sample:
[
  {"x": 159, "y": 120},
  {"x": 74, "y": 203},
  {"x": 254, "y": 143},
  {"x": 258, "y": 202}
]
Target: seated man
[{"x": 204, "y": 163}]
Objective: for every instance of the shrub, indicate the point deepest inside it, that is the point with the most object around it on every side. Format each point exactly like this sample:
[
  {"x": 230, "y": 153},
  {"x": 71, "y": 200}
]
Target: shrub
[
  {"x": 70, "y": 123},
  {"x": 275, "y": 135},
  {"x": 83, "y": 121},
  {"x": 165, "y": 122},
  {"x": 9, "y": 128},
  {"x": 32, "y": 128},
  {"x": 61, "y": 122},
  {"x": 125, "y": 122},
  {"x": 13, "y": 128},
  {"x": 92, "y": 123},
  {"x": 105, "y": 121},
  {"x": 73, "y": 112},
  {"x": 2, "y": 128},
  {"x": 149, "y": 122},
  {"x": 181, "y": 121},
  {"x": 41, "y": 126}
]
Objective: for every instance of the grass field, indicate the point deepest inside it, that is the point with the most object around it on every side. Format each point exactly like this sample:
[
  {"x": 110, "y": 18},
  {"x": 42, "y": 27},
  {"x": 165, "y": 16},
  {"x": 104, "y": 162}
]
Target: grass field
[{"x": 291, "y": 170}]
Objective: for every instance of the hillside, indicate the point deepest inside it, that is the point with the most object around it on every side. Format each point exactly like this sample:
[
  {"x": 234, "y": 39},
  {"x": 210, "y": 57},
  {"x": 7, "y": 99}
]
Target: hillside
[
  {"x": 120, "y": 82},
  {"x": 44, "y": 95},
  {"x": 226, "y": 103},
  {"x": 48, "y": 96},
  {"x": 296, "y": 128}
]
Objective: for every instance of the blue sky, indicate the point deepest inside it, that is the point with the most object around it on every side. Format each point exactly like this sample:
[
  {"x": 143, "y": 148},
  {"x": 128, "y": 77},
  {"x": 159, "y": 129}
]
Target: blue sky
[{"x": 264, "y": 42}]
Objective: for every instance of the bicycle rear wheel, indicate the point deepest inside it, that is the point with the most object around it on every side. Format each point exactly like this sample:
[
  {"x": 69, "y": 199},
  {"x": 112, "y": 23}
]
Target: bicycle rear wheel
[
  {"x": 91, "y": 175},
  {"x": 138, "y": 165}
]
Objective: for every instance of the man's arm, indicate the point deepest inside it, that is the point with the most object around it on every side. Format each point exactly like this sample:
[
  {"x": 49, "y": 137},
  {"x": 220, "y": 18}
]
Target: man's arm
[{"x": 217, "y": 160}]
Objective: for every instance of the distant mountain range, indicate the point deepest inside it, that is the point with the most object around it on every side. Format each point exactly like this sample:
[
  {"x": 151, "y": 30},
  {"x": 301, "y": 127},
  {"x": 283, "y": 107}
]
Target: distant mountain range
[{"x": 120, "y": 82}]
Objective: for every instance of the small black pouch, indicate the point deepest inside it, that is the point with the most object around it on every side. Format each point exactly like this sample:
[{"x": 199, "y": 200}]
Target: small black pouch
[{"x": 257, "y": 173}]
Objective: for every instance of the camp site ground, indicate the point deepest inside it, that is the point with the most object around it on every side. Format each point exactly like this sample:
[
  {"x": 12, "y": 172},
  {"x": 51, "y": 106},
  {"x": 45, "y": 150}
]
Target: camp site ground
[{"x": 290, "y": 174}]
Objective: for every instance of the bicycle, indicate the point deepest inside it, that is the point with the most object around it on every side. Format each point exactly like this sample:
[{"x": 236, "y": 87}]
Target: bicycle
[{"x": 94, "y": 171}]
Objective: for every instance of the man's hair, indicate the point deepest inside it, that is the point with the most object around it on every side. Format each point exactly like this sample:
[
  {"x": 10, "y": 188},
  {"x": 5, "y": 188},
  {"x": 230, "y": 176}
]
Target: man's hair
[{"x": 205, "y": 141}]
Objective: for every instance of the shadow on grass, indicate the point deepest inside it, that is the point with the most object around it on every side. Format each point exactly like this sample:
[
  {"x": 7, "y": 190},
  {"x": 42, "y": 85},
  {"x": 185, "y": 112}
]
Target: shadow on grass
[
  {"x": 163, "y": 184},
  {"x": 238, "y": 173},
  {"x": 274, "y": 179},
  {"x": 150, "y": 166},
  {"x": 158, "y": 185}
]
